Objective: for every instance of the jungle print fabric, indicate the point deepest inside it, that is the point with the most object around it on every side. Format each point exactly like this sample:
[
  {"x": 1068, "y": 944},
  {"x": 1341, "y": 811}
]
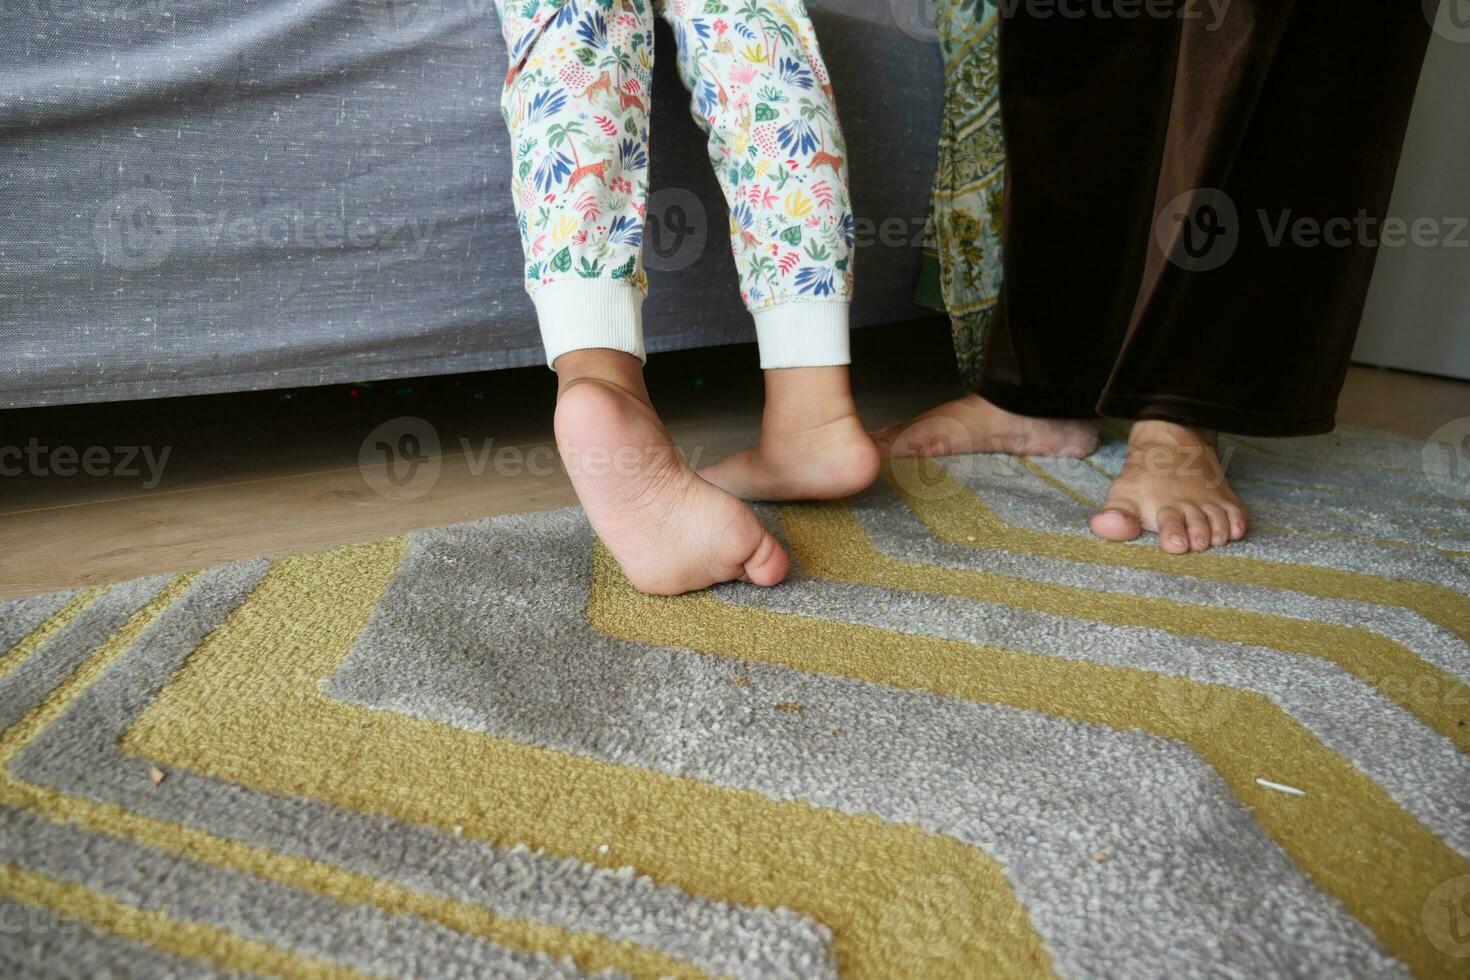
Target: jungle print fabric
[
  {"x": 576, "y": 103},
  {"x": 963, "y": 249}
]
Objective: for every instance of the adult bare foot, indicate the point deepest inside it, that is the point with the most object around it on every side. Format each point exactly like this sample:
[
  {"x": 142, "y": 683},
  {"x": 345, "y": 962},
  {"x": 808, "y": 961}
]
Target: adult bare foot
[
  {"x": 973, "y": 425},
  {"x": 1172, "y": 482},
  {"x": 670, "y": 531},
  {"x": 813, "y": 445}
]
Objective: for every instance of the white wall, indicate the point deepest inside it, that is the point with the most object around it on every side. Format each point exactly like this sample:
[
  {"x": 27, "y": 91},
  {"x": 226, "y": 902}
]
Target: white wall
[{"x": 1418, "y": 313}]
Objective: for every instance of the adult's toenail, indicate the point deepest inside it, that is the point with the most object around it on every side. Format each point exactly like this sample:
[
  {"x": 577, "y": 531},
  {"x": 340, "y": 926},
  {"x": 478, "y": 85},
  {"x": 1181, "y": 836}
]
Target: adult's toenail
[{"x": 1178, "y": 539}]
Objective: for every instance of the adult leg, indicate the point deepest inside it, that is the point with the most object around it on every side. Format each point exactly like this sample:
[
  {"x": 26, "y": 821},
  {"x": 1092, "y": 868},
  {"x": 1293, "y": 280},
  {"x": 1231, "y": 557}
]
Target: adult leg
[
  {"x": 576, "y": 106},
  {"x": 762, "y": 95},
  {"x": 1295, "y": 112},
  {"x": 1084, "y": 103},
  {"x": 1276, "y": 113}
]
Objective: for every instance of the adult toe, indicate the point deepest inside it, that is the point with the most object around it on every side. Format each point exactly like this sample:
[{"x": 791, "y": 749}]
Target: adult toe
[
  {"x": 1219, "y": 524},
  {"x": 1238, "y": 521},
  {"x": 1117, "y": 521},
  {"x": 1197, "y": 526},
  {"x": 1173, "y": 531}
]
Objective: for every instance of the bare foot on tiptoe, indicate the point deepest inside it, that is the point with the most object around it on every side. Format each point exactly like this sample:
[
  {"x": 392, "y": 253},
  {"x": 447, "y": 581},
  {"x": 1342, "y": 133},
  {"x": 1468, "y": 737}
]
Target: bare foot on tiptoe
[
  {"x": 1172, "y": 482},
  {"x": 670, "y": 531},
  {"x": 973, "y": 425},
  {"x": 812, "y": 446}
]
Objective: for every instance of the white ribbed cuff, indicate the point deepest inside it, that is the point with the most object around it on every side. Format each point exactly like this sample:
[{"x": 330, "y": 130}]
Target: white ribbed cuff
[
  {"x": 795, "y": 335},
  {"x": 581, "y": 314}
]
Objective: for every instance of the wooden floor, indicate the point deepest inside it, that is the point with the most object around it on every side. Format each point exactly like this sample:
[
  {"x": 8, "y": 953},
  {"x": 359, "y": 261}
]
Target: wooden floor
[{"x": 272, "y": 473}]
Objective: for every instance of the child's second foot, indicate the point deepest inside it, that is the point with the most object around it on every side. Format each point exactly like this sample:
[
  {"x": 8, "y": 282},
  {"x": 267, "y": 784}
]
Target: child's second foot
[
  {"x": 670, "y": 531},
  {"x": 825, "y": 460}
]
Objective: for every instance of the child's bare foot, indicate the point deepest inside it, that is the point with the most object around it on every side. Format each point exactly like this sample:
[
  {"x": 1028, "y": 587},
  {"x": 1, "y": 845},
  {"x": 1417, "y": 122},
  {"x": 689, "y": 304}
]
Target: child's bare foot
[
  {"x": 669, "y": 530},
  {"x": 827, "y": 461},
  {"x": 1172, "y": 482},
  {"x": 973, "y": 425},
  {"x": 813, "y": 445}
]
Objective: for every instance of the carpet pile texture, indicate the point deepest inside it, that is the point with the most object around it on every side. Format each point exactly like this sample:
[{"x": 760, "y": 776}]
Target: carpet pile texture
[{"x": 965, "y": 740}]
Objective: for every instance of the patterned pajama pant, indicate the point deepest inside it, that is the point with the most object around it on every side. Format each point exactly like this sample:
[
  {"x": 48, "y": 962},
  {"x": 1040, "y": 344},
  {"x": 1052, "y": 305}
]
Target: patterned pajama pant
[{"x": 576, "y": 103}]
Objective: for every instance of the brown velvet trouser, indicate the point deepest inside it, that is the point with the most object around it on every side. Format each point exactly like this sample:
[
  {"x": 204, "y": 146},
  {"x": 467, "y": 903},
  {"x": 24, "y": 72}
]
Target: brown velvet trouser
[{"x": 1293, "y": 109}]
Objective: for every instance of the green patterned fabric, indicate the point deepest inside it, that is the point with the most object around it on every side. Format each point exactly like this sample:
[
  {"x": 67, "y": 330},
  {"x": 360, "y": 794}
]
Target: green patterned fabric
[{"x": 962, "y": 253}]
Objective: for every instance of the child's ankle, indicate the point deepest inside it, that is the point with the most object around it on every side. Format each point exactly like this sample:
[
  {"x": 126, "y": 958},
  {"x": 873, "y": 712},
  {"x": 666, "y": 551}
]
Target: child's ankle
[
  {"x": 611, "y": 367},
  {"x": 800, "y": 399}
]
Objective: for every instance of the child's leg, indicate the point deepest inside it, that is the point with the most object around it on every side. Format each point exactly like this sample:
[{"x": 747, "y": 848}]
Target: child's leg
[
  {"x": 762, "y": 94},
  {"x": 576, "y": 106}
]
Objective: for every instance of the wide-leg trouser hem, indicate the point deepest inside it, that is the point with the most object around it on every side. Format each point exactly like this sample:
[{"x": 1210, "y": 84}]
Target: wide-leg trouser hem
[
  {"x": 1217, "y": 417},
  {"x": 1190, "y": 412}
]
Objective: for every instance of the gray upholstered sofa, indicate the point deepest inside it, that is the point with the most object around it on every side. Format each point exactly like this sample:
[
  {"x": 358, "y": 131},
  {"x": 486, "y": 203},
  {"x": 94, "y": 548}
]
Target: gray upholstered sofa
[{"x": 217, "y": 195}]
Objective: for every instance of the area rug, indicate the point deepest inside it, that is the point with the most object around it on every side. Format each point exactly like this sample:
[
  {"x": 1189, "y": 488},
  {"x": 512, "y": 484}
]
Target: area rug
[{"x": 965, "y": 740}]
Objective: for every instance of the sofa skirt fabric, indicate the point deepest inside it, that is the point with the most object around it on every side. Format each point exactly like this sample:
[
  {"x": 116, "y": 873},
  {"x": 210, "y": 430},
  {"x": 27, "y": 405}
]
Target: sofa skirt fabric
[{"x": 213, "y": 195}]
